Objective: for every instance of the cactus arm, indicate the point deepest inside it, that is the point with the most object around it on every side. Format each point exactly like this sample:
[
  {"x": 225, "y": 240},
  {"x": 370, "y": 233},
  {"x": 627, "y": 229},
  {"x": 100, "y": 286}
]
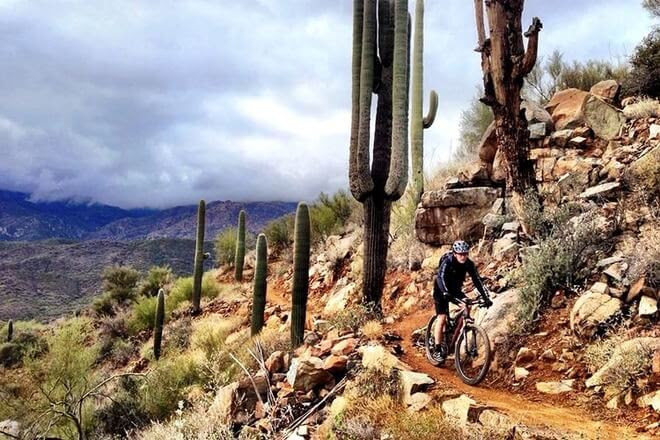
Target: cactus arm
[
  {"x": 158, "y": 323},
  {"x": 300, "y": 274},
  {"x": 361, "y": 182},
  {"x": 416, "y": 120},
  {"x": 198, "y": 269},
  {"x": 10, "y": 330},
  {"x": 398, "y": 175},
  {"x": 433, "y": 108},
  {"x": 260, "y": 285}
]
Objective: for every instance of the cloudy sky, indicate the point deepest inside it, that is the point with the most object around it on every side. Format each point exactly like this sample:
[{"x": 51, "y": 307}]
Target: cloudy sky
[{"x": 158, "y": 103}]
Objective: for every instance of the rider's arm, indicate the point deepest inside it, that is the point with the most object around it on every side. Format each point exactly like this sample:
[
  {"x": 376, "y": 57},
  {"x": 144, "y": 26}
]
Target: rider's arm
[
  {"x": 440, "y": 279},
  {"x": 476, "y": 280}
]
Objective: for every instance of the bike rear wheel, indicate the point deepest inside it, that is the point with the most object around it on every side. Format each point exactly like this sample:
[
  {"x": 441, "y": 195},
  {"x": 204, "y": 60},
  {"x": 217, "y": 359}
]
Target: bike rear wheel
[
  {"x": 472, "y": 354},
  {"x": 429, "y": 344}
]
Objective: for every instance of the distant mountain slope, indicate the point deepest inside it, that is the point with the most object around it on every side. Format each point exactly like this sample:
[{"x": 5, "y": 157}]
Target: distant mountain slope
[
  {"x": 45, "y": 279},
  {"x": 181, "y": 221},
  {"x": 24, "y": 220}
]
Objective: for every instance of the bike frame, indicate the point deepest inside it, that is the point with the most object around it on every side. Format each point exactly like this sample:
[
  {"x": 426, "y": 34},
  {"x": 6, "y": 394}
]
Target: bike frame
[{"x": 462, "y": 318}]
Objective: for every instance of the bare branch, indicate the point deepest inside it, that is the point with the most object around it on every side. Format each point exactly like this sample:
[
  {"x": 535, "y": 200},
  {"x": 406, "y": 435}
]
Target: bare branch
[{"x": 532, "y": 35}]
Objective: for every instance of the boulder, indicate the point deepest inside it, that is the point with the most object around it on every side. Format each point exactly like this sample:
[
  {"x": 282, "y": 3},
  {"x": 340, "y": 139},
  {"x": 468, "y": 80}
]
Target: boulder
[
  {"x": 11, "y": 428},
  {"x": 622, "y": 354},
  {"x": 616, "y": 271},
  {"x": 608, "y": 90},
  {"x": 650, "y": 399},
  {"x": 577, "y": 142},
  {"x": 520, "y": 373},
  {"x": 237, "y": 401},
  {"x": 564, "y": 386},
  {"x": 605, "y": 120},
  {"x": 654, "y": 131},
  {"x": 499, "y": 168},
  {"x": 560, "y": 138},
  {"x": 335, "y": 364},
  {"x": 379, "y": 358},
  {"x": 307, "y": 374},
  {"x": 604, "y": 190},
  {"x": 592, "y": 311},
  {"x": 488, "y": 144},
  {"x": 537, "y": 131},
  {"x": 445, "y": 215},
  {"x": 275, "y": 362},
  {"x": 496, "y": 421},
  {"x": 419, "y": 401},
  {"x": 525, "y": 356},
  {"x": 601, "y": 288},
  {"x": 345, "y": 347},
  {"x": 497, "y": 319},
  {"x": 567, "y": 108},
  {"x": 648, "y": 306},
  {"x": 505, "y": 248},
  {"x": 638, "y": 288},
  {"x": 536, "y": 114},
  {"x": 338, "y": 300},
  {"x": 412, "y": 382},
  {"x": 462, "y": 409}
]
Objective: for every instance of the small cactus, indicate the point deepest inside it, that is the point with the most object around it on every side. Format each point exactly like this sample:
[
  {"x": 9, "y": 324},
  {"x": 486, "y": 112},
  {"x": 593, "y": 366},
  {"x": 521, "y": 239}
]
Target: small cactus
[
  {"x": 158, "y": 323},
  {"x": 240, "y": 247},
  {"x": 10, "y": 330},
  {"x": 199, "y": 258},
  {"x": 300, "y": 274},
  {"x": 260, "y": 285}
]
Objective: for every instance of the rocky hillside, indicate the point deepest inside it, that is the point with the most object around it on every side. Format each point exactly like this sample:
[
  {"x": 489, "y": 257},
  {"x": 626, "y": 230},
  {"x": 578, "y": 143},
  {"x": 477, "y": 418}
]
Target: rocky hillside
[{"x": 24, "y": 220}]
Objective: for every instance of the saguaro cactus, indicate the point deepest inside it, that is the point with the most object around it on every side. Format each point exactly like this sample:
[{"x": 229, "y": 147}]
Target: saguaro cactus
[
  {"x": 10, "y": 330},
  {"x": 240, "y": 247},
  {"x": 418, "y": 122},
  {"x": 199, "y": 257},
  {"x": 260, "y": 285},
  {"x": 158, "y": 323},
  {"x": 383, "y": 69},
  {"x": 300, "y": 274},
  {"x": 505, "y": 63}
]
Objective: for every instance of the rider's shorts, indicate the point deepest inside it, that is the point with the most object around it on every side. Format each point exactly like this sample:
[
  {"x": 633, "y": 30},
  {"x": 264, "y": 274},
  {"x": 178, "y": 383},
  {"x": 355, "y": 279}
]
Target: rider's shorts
[{"x": 441, "y": 301}]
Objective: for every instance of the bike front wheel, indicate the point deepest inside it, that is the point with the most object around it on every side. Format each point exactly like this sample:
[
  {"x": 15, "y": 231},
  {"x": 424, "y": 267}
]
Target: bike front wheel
[{"x": 472, "y": 354}]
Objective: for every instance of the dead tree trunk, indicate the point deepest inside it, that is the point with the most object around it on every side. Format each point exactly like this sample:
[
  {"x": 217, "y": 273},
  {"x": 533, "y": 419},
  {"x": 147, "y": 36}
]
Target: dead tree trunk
[{"x": 505, "y": 63}]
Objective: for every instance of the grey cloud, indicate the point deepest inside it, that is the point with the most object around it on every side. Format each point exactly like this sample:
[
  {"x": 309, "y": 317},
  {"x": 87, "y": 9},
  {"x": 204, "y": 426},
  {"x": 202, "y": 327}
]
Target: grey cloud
[{"x": 161, "y": 103}]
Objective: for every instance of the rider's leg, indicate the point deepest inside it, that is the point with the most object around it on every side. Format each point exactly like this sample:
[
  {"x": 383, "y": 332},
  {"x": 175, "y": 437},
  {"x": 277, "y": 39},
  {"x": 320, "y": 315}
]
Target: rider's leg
[{"x": 440, "y": 329}]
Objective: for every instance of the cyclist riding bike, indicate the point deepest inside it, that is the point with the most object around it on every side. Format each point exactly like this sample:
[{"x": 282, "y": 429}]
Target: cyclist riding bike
[{"x": 452, "y": 268}]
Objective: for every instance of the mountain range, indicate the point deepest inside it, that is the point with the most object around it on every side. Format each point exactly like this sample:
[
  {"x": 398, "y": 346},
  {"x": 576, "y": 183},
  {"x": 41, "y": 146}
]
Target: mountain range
[{"x": 52, "y": 254}]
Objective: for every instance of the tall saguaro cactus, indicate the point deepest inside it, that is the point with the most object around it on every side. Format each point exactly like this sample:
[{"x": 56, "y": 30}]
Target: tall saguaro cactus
[
  {"x": 199, "y": 257},
  {"x": 418, "y": 122},
  {"x": 505, "y": 63},
  {"x": 10, "y": 330},
  {"x": 300, "y": 274},
  {"x": 260, "y": 285},
  {"x": 240, "y": 247},
  {"x": 381, "y": 64},
  {"x": 158, "y": 323}
]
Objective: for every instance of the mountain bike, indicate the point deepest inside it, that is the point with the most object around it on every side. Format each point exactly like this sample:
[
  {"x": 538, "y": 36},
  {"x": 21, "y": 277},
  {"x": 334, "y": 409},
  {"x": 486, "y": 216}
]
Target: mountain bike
[{"x": 468, "y": 341}]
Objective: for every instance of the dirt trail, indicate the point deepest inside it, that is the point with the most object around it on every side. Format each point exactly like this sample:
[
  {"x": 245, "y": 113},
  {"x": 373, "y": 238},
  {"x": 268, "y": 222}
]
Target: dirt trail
[{"x": 526, "y": 411}]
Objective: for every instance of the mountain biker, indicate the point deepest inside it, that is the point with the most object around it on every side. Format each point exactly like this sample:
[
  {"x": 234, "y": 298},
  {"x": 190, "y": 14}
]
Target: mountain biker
[{"x": 452, "y": 268}]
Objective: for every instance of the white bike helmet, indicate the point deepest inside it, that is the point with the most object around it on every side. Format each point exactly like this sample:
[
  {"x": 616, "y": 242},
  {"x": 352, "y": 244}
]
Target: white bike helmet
[{"x": 460, "y": 247}]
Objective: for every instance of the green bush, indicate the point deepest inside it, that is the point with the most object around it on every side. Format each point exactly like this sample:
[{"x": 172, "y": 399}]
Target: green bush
[
  {"x": 157, "y": 278},
  {"x": 329, "y": 214},
  {"x": 143, "y": 314},
  {"x": 644, "y": 78},
  {"x": 225, "y": 246},
  {"x": 351, "y": 318},
  {"x": 124, "y": 412},
  {"x": 560, "y": 260},
  {"x": 166, "y": 384},
  {"x": 120, "y": 282},
  {"x": 279, "y": 232},
  {"x": 473, "y": 124},
  {"x": 26, "y": 343},
  {"x": 104, "y": 305}
]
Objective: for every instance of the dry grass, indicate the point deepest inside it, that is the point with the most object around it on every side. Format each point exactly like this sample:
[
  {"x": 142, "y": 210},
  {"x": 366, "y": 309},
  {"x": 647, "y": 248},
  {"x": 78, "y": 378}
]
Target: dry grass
[
  {"x": 646, "y": 260},
  {"x": 646, "y": 108},
  {"x": 372, "y": 330},
  {"x": 437, "y": 178}
]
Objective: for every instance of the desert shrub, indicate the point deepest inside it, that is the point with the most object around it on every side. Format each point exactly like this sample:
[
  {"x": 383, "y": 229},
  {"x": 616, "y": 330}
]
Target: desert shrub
[
  {"x": 193, "y": 424},
  {"x": 279, "y": 232},
  {"x": 560, "y": 260},
  {"x": 225, "y": 246},
  {"x": 143, "y": 314},
  {"x": 635, "y": 363},
  {"x": 473, "y": 124},
  {"x": 27, "y": 342},
  {"x": 371, "y": 383},
  {"x": 646, "y": 260},
  {"x": 645, "y": 108},
  {"x": 209, "y": 334},
  {"x": 402, "y": 229},
  {"x": 585, "y": 75},
  {"x": 120, "y": 282},
  {"x": 644, "y": 176},
  {"x": 179, "y": 333},
  {"x": 104, "y": 305},
  {"x": 156, "y": 278},
  {"x": 124, "y": 412},
  {"x": 183, "y": 287},
  {"x": 329, "y": 214},
  {"x": 544, "y": 222},
  {"x": 351, "y": 318},
  {"x": 372, "y": 330},
  {"x": 166, "y": 384},
  {"x": 644, "y": 78}
]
